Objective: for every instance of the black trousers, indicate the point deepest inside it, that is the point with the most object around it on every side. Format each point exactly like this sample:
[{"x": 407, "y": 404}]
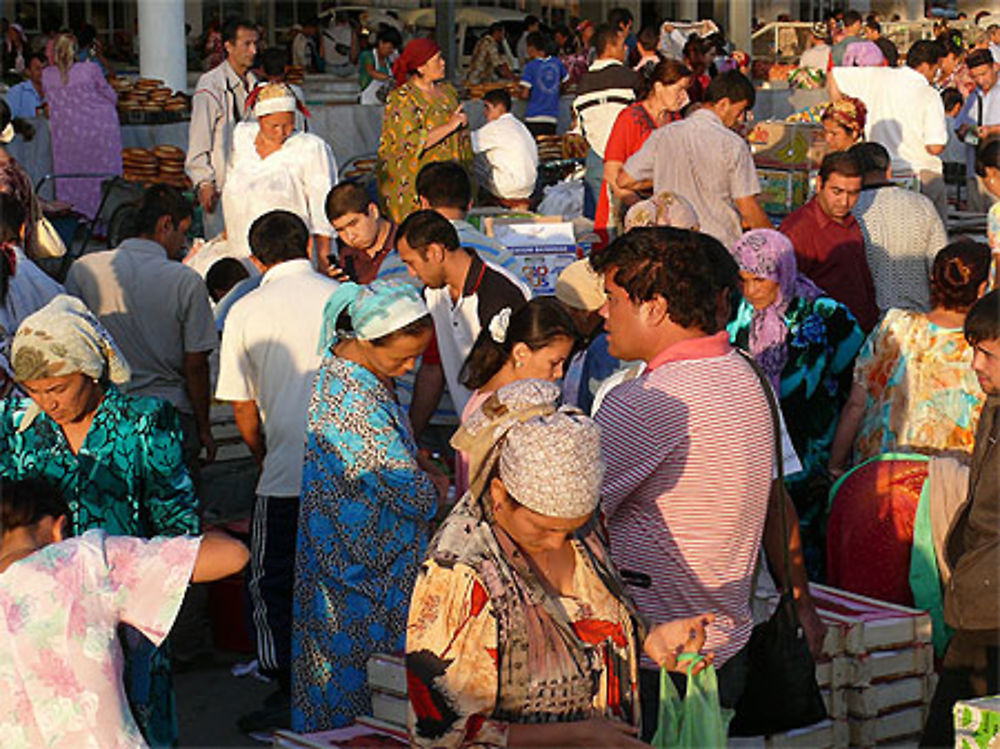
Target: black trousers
[
  {"x": 732, "y": 677},
  {"x": 273, "y": 530},
  {"x": 541, "y": 128},
  {"x": 970, "y": 670}
]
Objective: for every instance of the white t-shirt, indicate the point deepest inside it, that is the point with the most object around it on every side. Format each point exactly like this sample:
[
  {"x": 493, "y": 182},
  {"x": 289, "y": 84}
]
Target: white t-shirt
[
  {"x": 507, "y": 157},
  {"x": 297, "y": 178},
  {"x": 904, "y": 114},
  {"x": 269, "y": 356}
]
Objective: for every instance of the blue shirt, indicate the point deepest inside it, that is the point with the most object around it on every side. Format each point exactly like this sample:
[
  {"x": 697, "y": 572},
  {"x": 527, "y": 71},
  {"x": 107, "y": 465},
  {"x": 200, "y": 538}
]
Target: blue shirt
[
  {"x": 24, "y": 100},
  {"x": 544, "y": 77}
]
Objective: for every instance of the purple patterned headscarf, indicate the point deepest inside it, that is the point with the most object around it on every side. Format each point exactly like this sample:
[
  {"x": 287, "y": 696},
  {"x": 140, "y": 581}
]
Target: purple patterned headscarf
[{"x": 769, "y": 254}]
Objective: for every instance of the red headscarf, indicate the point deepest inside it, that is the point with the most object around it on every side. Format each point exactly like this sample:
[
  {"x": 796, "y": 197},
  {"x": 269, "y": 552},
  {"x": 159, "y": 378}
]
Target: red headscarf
[{"x": 415, "y": 54}]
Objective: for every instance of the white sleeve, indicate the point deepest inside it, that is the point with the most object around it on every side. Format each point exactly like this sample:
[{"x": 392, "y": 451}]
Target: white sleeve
[
  {"x": 789, "y": 458},
  {"x": 235, "y": 380},
  {"x": 485, "y": 138},
  {"x": 935, "y": 126},
  {"x": 321, "y": 176},
  {"x": 991, "y": 107}
]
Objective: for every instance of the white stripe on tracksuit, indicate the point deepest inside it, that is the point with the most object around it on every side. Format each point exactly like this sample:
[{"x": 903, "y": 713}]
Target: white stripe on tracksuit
[{"x": 266, "y": 654}]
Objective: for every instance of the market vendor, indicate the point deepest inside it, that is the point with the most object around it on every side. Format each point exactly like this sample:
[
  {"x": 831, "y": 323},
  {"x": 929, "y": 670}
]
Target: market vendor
[{"x": 844, "y": 123}]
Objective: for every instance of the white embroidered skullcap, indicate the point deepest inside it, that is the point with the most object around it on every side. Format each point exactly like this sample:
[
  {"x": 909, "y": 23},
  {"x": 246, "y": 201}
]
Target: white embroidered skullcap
[
  {"x": 552, "y": 464},
  {"x": 273, "y": 98}
]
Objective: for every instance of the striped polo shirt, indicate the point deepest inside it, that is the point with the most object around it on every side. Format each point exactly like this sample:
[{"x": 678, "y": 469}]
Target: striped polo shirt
[{"x": 689, "y": 452}]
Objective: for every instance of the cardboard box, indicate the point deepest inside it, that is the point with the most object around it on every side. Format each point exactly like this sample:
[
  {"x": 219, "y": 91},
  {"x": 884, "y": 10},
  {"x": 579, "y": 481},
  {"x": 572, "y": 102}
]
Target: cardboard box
[
  {"x": 888, "y": 696},
  {"x": 977, "y": 723},
  {"x": 787, "y": 145},
  {"x": 783, "y": 190},
  {"x": 543, "y": 248},
  {"x": 863, "y": 625},
  {"x": 387, "y": 673}
]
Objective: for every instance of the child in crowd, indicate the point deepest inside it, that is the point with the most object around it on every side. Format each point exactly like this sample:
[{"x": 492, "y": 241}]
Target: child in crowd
[
  {"x": 61, "y": 602},
  {"x": 540, "y": 84},
  {"x": 506, "y": 154}
]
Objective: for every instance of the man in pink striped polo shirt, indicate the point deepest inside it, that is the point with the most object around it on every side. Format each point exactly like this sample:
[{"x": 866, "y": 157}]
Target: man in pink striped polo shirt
[{"x": 688, "y": 446}]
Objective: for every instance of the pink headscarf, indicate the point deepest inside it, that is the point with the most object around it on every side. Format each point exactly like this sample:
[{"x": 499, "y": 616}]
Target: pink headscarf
[
  {"x": 415, "y": 54},
  {"x": 769, "y": 254}
]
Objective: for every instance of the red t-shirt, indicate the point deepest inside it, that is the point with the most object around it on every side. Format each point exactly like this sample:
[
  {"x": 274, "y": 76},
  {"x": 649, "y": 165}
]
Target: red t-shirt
[{"x": 630, "y": 131}]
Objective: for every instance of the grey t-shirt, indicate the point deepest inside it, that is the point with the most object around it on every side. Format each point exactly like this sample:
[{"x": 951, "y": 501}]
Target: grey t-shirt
[
  {"x": 155, "y": 308},
  {"x": 704, "y": 161}
]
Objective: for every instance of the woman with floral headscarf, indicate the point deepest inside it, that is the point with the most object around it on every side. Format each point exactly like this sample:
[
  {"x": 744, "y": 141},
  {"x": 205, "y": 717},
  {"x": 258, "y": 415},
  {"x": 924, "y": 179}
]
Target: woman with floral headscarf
[
  {"x": 367, "y": 502},
  {"x": 844, "y": 123},
  {"x": 521, "y": 631},
  {"x": 806, "y": 344},
  {"x": 115, "y": 459}
]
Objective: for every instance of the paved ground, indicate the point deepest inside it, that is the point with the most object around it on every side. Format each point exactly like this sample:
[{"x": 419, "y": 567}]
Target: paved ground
[{"x": 210, "y": 699}]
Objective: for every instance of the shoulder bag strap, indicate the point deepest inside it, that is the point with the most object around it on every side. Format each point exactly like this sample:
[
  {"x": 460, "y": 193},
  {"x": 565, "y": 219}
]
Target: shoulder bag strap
[{"x": 772, "y": 403}]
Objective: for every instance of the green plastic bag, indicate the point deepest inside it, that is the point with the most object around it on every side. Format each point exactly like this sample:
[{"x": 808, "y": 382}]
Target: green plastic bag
[{"x": 697, "y": 721}]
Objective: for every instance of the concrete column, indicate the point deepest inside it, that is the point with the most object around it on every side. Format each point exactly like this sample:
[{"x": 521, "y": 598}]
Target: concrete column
[
  {"x": 738, "y": 24},
  {"x": 161, "y": 42},
  {"x": 444, "y": 33},
  {"x": 687, "y": 10}
]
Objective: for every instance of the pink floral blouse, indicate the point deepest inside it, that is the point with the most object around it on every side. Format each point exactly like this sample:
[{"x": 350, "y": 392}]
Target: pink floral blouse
[{"x": 60, "y": 661}]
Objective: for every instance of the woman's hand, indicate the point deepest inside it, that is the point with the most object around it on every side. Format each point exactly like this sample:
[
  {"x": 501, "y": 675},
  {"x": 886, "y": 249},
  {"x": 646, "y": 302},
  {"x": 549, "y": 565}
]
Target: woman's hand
[
  {"x": 458, "y": 120},
  {"x": 667, "y": 641},
  {"x": 440, "y": 480}
]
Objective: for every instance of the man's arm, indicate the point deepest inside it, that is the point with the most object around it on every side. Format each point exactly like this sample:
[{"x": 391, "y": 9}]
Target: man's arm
[
  {"x": 627, "y": 183},
  {"x": 428, "y": 387},
  {"x": 797, "y": 580},
  {"x": 248, "y": 422},
  {"x": 195, "y": 368},
  {"x": 752, "y": 214},
  {"x": 934, "y": 150},
  {"x": 205, "y": 111}
]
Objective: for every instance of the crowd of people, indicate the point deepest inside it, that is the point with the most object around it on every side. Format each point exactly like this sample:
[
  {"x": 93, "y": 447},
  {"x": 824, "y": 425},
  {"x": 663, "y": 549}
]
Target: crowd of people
[{"x": 541, "y": 500}]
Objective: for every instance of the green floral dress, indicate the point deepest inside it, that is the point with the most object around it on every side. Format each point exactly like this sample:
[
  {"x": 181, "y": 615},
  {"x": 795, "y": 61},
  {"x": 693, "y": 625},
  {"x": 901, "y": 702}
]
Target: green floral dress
[
  {"x": 409, "y": 116},
  {"x": 823, "y": 341},
  {"x": 129, "y": 479}
]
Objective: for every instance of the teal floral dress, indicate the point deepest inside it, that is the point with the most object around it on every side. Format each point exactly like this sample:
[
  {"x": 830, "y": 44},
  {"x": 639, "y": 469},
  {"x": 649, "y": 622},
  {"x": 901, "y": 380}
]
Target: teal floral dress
[
  {"x": 823, "y": 341},
  {"x": 128, "y": 478},
  {"x": 363, "y": 528}
]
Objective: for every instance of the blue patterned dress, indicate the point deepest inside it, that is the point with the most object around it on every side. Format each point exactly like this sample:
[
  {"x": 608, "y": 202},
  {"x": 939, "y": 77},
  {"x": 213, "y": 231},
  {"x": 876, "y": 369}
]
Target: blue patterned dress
[
  {"x": 127, "y": 479},
  {"x": 363, "y": 524}
]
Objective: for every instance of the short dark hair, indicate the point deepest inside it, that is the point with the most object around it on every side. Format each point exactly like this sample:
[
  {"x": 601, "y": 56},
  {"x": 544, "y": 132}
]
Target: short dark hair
[
  {"x": 983, "y": 321},
  {"x": 26, "y": 502},
  {"x": 530, "y": 20},
  {"x": 445, "y": 184},
  {"x": 158, "y": 201},
  {"x": 843, "y": 163},
  {"x": 648, "y": 37},
  {"x": 619, "y": 17},
  {"x": 988, "y": 154},
  {"x": 732, "y": 85},
  {"x": 925, "y": 50},
  {"x": 873, "y": 24},
  {"x": 11, "y": 218},
  {"x": 498, "y": 96},
  {"x": 273, "y": 61},
  {"x": 604, "y": 36},
  {"x": 671, "y": 263},
  {"x": 979, "y": 57},
  {"x": 232, "y": 26},
  {"x": 495, "y": 27},
  {"x": 347, "y": 197},
  {"x": 959, "y": 269},
  {"x": 223, "y": 275},
  {"x": 423, "y": 228},
  {"x": 538, "y": 40},
  {"x": 536, "y": 324},
  {"x": 851, "y": 17},
  {"x": 871, "y": 157},
  {"x": 278, "y": 236},
  {"x": 390, "y": 34},
  {"x": 950, "y": 98},
  {"x": 40, "y": 56}
]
